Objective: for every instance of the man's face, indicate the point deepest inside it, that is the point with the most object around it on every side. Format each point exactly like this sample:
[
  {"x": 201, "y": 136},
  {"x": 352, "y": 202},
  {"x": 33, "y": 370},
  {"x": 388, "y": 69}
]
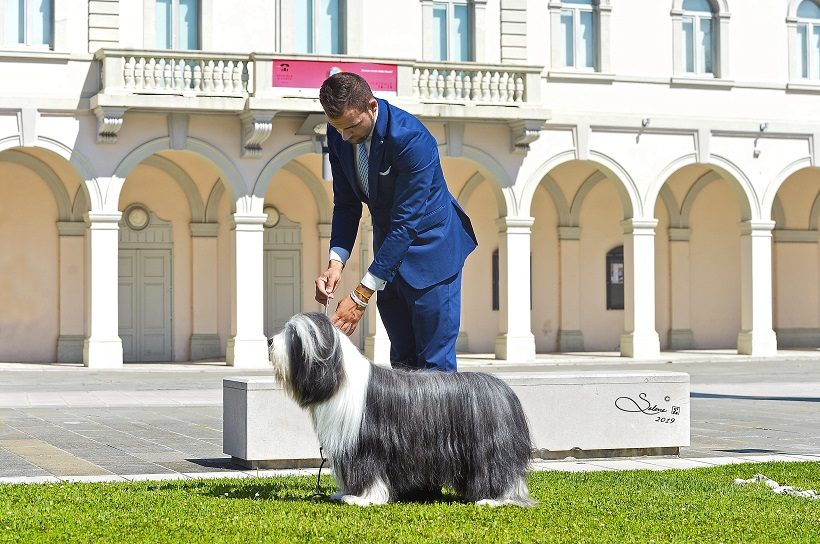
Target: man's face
[{"x": 355, "y": 125}]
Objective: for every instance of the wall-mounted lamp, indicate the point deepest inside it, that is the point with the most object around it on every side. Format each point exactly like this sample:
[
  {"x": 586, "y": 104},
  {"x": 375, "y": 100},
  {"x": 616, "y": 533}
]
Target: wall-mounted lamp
[
  {"x": 645, "y": 122},
  {"x": 320, "y": 130},
  {"x": 764, "y": 127}
]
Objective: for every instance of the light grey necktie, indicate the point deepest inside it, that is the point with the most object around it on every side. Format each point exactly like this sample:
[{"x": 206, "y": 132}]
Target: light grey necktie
[{"x": 361, "y": 167}]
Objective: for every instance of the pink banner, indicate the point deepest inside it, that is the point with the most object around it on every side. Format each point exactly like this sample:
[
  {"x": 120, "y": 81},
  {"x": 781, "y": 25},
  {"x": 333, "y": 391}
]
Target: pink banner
[{"x": 309, "y": 74}]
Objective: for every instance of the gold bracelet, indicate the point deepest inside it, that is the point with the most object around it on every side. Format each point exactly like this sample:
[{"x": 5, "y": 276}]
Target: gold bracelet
[{"x": 364, "y": 297}]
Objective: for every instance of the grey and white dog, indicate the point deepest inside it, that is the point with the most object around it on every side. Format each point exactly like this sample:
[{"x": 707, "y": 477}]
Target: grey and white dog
[{"x": 390, "y": 433}]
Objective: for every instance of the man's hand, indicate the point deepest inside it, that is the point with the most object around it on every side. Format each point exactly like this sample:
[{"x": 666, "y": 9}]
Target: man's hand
[
  {"x": 328, "y": 281},
  {"x": 347, "y": 316}
]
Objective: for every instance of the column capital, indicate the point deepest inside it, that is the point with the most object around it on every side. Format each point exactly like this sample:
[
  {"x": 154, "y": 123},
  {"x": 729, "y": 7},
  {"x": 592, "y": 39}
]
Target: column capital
[
  {"x": 204, "y": 230},
  {"x": 325, "y": 230},
  {"x": 757, "y": 228},
  {"x": 679, "y": 235},
  {"x": 103, "y": 220},
  {"x": 569, "y": 233},
  {"x": 71, "y": 228},
  {"x": 642, "y": 226},
  {"x": 514, "y": 225},
  {"x": 248, "y": 221}
]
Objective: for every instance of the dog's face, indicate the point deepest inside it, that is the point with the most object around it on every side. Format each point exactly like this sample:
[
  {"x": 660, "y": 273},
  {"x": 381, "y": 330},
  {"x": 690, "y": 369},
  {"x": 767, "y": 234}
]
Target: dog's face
[{"x": 307, "y": 358}]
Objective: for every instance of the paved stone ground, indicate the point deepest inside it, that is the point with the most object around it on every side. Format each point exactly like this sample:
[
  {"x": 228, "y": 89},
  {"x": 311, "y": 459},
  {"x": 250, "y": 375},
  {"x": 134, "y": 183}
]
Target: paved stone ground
[{"x": 164, "y": 421}]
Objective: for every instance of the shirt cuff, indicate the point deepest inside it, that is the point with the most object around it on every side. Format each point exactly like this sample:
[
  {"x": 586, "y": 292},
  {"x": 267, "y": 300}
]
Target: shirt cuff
[
  {"x": 339, "y": 254},
  {"x": 372, "y": 282}
]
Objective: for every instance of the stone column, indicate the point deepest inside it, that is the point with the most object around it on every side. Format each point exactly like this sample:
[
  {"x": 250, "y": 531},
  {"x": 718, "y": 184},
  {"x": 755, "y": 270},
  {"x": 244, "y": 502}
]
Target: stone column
[
  {"x": 205, "y": 342},
  {"x": 680, "y": 328},
  {"x": 72, "y": 291},
  {"x": 515, "y": 341},
  {"x": 640, "y": 339},
  {"x": 756, "y": 336},
  {"x": 102, "y": 347},
  {"x": 247, "y": 346},
  {"x": 570, "y": 336}
]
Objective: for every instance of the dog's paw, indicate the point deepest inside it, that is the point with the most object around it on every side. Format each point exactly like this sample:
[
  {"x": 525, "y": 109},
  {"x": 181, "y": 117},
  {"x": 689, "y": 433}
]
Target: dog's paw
[
  {"x": 338, "y": 496},
  {"x": 355, "y": 500},
  {"x": 492, "y": 503}
]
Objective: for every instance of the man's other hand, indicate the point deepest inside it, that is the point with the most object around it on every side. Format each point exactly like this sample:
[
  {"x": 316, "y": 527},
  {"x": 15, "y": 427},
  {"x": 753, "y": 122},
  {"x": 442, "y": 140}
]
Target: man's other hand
[
  {"x": 328, "y": 281},
  {"x": 347, "y": 316}
]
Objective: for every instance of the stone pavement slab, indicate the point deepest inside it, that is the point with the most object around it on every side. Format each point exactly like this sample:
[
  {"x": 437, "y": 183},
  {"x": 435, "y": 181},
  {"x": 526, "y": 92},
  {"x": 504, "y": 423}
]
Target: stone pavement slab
[{"x": 164, "y": 421}]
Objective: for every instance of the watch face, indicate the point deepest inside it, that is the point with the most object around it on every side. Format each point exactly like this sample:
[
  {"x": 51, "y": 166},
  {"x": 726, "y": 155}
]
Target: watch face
[
  {"x": 137, "y": 218},
  {"x": 273, "y": 216}
]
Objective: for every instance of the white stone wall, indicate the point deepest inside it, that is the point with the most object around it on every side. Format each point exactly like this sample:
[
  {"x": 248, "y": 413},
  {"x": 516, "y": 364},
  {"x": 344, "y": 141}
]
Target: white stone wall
[{"x": 712, "y": 161}]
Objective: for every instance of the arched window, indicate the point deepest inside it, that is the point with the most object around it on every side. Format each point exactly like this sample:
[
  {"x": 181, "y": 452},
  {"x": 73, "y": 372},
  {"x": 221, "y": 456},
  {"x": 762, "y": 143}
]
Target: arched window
[
  {"x": 698, "y": 37},
  {"x": 700, "y": 40},
  {"x": 580, "y": 35},
  {"x": 808, "y": 35},
  {"x": 28, "y": 22}
]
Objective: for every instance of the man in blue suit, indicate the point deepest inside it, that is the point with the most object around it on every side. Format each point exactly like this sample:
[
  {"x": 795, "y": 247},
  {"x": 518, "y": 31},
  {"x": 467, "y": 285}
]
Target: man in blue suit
[{"x": 384, "y": 157}]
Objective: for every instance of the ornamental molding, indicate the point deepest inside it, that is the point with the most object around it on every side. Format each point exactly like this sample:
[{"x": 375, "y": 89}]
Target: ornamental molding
[
  {"x": 523, "y": 133},
  {"x": 256, "y": 129},
  {"x": 109, "y": 123}
]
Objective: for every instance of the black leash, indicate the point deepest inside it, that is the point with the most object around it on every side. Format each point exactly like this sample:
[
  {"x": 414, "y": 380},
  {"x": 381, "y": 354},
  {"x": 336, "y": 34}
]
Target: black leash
[{"x": 319, "y": 494}]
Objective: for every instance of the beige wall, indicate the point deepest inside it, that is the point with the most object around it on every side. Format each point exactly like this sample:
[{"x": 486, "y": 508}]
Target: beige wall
[
  {"x": 546, "y": 316},
  {"x": 29, "y": 282},
  {"x": 715, "y": 267}
]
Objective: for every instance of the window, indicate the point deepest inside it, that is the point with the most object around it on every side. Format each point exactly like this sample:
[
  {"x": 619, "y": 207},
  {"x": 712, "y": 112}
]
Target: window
[
  {"x": 452, "y": 32},
  {"x": 319, "y": 27},
  {"x": 578, "y": 42},
  {"x": 29, "y": 22},
  {"x": 698, "y": 37},
  {"x": 808, "y": 34},
  {"x": 615, "y": 279},
  {"x": 177, "y": 24}
]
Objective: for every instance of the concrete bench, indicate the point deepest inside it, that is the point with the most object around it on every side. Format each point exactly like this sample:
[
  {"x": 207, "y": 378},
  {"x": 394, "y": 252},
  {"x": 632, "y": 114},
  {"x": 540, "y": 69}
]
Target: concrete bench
[{"x": 578, "y": 414}]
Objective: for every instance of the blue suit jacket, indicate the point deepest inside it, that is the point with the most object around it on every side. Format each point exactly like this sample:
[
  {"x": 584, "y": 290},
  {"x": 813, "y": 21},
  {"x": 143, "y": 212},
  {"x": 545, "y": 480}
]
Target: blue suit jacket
[{"x": 419, "y": 230}]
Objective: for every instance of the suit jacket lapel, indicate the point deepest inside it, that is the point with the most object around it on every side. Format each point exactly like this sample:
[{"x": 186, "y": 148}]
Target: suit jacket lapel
[{"x": 377, "y": 150}]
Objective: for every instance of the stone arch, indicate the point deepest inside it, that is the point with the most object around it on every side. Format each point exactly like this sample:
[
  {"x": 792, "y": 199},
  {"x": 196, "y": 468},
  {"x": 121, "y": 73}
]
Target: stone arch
[
  {"x": 81, "y": 205},
  {"x": 72, "y": 156},
  {"x": 242, "y": 203},
  {"x": 212, "y": 208},
  {"x": 44, "y": 172},
  {"x": 692, "y": 195},
  {"x": 473, "y": 183},
  {"x": 316, "y": 187},
  {"x": 285, "y": 160},
  {"x": 791, "y": 10},
  {"x": 814, "y": 215},
  {"x": 671, "y": 204},
  {"x": 584, "y": 190},
  {"x": 625, "y": 186},
  {"x": 490, "y": 169},
  {"x": 719, "y": 7},
  {"x": 779, "y": 214},
  {"x": 183, "y": 180},
  {"x": 747, "y": 197},
  {"x": 780, "y": 179}
]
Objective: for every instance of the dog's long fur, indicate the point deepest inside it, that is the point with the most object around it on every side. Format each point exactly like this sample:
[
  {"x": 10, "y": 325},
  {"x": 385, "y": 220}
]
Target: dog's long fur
[{"x": 389, "y": 433}]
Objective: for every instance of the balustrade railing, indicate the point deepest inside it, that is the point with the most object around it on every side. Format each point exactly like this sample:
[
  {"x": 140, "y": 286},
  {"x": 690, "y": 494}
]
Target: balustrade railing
[
  {"x": 467, "y": 83},
  {"x": 202, "y": 74},
  {"x": 170, "y": 72}
]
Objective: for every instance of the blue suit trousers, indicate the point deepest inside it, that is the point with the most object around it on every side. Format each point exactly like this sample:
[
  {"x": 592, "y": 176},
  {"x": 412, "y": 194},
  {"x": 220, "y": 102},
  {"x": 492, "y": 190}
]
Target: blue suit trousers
[{"x": 422, "y": 324}]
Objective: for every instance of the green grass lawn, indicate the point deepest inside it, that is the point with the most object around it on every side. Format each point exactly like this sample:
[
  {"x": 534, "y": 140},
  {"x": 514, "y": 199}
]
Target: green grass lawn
[{"x": 700, "y": 505}]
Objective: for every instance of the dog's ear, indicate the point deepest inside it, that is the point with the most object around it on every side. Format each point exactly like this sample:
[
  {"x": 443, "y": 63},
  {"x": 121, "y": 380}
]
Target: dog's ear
[{"x": 315, "y": 358}]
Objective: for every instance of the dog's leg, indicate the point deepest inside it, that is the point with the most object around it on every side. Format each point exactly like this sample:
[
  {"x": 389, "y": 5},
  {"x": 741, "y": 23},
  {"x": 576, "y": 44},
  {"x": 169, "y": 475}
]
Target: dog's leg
[
  {"x": 376, "y": 493},
  {"x": 517, "y": 495}
]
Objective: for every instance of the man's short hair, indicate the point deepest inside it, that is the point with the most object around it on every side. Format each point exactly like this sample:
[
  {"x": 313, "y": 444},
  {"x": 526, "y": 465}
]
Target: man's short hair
[{"x": 343, "y": 91}]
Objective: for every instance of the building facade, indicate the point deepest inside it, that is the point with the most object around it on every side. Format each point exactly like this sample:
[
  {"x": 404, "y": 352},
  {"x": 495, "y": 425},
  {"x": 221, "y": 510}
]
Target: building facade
[{"x": 641, "y": 176}]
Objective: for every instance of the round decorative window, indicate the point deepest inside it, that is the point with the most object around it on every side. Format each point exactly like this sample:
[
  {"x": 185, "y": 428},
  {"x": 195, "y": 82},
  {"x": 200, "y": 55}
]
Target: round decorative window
[
  {"x": 273, "y": 216},
  {"x": 136, "y": 217}
]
